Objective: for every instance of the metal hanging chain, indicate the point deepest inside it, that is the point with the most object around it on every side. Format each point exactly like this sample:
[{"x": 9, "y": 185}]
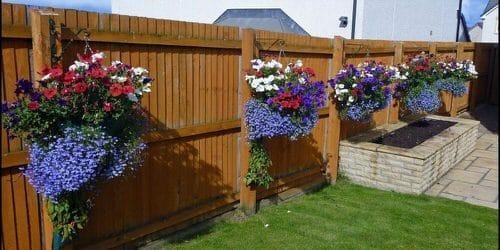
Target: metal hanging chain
[{"x": 86, "y": 38}]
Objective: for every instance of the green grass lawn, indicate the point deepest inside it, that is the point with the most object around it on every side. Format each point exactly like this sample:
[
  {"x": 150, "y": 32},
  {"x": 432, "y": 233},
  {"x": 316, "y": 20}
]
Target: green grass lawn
[{"x": 348, "y": 216}]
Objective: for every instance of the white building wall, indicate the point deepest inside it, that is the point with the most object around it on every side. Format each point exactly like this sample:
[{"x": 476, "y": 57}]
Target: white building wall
[
  {"x": 490, "y": 26},
  {"x": 317, "y": 17},
  {"x": 475, "y": 34},
  {"x": 424, "y": 20}
]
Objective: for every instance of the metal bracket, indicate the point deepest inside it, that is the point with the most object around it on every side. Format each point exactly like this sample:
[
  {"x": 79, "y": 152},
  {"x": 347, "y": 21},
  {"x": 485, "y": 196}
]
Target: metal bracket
[
  {"x": 54, "y": 37},
  {"x": 57, "y": 36}
]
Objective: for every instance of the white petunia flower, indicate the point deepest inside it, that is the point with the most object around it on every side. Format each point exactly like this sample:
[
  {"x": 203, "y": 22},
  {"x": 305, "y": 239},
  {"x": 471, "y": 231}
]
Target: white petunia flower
[
  {"x": 275, "y": 87},
  {"x": 97, "y": 56},
  {"x": 269, "y": 79},
  {"x": 299, "y": 63},
  {"x": 116, "y": 63},
  {"x": 72, "y": 67},
  {"x": 340, "y": 98},
  {"x": 46, "y": 77},
  {"x": 350, "y": 99},
  {"x": 354, "y": 85},
  {"x": 341, "y": 86},
  {"x": 139, "y": 71},
  {"x": 337, "y": 91},
  {"x": 249, "y": 78},
  {"x": 83, "y": 65},
  {"x": 288, "y": 69},
  {"x": 257, "y": 64},
  {"x": 344, "y": 91},
  {"x": 302, "y": 80},
  {"x": 146, "y": 88},
  {"x": 260, "y": 88}
]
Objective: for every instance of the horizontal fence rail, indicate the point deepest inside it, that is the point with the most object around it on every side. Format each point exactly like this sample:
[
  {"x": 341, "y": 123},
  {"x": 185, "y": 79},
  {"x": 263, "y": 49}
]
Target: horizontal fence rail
[{"x": 197, "y": 151}]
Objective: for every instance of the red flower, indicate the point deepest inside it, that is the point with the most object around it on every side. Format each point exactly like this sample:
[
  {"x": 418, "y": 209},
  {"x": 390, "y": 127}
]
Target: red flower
[
  {"x": 49, "y": 93},
  {"x": 108, "y": 106},
  {"x": 97, "y": 73},
  {"x": 116, "y": 89},
  {"x": 56, "y": 71},
  {"x": 287, "y": 100},
  {"x": 34, "y": 105},
  {"x": 69, "y": 77},
  {"x": 309, "y": 71},
  {"x": 85, "y": 58},
  {"x": 127, "y": 89},
  {"x": 80, "y": 87}
]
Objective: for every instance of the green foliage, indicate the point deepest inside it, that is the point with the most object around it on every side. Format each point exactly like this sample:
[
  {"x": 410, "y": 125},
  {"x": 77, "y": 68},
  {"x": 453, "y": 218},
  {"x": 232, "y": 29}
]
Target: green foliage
[
  {"x": 259, "y": 164},
  {"x": 69, "y": 214}
]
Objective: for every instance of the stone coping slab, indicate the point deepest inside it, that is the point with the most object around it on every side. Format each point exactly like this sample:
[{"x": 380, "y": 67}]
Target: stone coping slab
[{"x": 421, "y": 151}]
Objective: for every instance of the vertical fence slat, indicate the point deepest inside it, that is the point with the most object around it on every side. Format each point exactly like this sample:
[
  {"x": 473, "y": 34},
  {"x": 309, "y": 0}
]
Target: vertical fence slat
[
  {"x": 248, "y": 195},
  {"x": 333, "y": 131},
  {"x": 394, "y": 108}
]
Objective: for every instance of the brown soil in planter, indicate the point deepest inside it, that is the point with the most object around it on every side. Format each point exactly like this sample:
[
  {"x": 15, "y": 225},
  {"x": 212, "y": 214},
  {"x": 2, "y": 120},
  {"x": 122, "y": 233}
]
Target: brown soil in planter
[{"x": 414, "y": 133}]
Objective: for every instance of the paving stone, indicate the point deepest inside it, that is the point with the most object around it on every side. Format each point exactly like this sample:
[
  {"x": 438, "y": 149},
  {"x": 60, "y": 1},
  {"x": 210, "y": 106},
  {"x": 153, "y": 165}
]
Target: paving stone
[
  {"x": 485, "y": 163},
  {"x": 482, "y": 203},
  {"x": 438, "y": 187},
  {"x": 471, "y": 190},
  {"x": 462, "y": 164},
  {"x": 452, "y": 196},
  {"x": 470, "y": 158},
  {"x": 484, "y": 154},
  {"x": 489, "y": 183},
  {"x": 477, "y": 169},
  {"x": 464, "y": 175},
  {"x": 483, "y": 144},
  {"x": 492, "y": 175}
]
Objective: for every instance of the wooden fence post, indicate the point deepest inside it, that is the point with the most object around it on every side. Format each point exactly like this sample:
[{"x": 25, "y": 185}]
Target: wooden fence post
[
  {"x": 333, "y": 131},
  {"x": 458, "y": 56},
  {"x": 433, "y": 48},
  {"x": 248, "y": 195},
  {"x": 41, "y": 44},
  {"x": 394, "y": 108}
]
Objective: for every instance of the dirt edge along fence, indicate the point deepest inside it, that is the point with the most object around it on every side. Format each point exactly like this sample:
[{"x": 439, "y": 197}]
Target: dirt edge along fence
[{"x": 198, "y": 152}]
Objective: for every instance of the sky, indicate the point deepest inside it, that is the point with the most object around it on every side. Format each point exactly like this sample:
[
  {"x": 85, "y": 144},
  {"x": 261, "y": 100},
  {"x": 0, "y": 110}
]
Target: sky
[{"x": 472, "y": 9}]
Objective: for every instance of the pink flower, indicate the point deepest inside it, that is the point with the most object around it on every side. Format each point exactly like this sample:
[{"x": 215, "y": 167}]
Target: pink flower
[
  {"x": 127, "y": 89},
  {"x": 34, "y": 105},
  {"x": 108, "y": 106}
]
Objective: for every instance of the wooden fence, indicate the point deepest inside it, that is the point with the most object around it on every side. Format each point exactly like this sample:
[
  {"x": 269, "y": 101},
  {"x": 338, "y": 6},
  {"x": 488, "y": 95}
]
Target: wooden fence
[{"x": 197, "y": 151}]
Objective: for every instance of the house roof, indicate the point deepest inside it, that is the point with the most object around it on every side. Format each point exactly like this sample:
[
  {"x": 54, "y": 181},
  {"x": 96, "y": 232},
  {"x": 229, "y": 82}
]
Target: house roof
[
  {"x": 266, "y": 19},
  {"x": 491, "y": 4}
]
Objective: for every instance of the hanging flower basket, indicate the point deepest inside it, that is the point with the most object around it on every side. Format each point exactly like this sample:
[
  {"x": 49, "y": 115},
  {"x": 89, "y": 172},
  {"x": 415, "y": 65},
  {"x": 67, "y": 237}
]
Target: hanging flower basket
[
  {"x": 284, "y": 103},
  {"x": 360, "y": 91},
  {"x": 81, "y": 126}
]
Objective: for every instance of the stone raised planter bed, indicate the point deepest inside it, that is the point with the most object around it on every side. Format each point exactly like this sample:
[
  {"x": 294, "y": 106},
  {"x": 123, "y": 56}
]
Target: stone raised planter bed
[{"x": 407, "y": 170}]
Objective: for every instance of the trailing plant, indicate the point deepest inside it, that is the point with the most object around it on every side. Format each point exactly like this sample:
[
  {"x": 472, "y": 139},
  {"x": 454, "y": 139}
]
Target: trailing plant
[
  {"x": 360, "y": 91},
  {"x": 284, "y": 103},
  {"x": 452, "y": 85},
  {"x": 259, "y": 162},
  {"x": 81, "y": 126}
]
